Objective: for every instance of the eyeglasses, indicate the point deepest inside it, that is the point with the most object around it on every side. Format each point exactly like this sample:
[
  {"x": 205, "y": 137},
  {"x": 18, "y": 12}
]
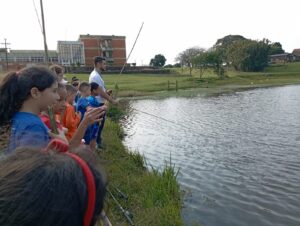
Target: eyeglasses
[{"x": 75, "y": 83}]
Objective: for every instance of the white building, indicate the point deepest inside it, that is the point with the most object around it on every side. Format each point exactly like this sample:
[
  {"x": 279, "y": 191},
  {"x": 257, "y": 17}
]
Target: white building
[{"x": 70, "y": 53}]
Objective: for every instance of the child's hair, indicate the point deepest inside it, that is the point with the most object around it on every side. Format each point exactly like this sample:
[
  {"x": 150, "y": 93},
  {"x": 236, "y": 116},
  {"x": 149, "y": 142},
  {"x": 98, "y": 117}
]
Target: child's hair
[
  {"x": 15, "y": 88},
  {"x": 56, "y": 69},
  {"x": 70, "y": 89},
  {"x": 48, "y": 188},
  {"x": 83, "y": 85},
  {"x": 94, "y": 86}
]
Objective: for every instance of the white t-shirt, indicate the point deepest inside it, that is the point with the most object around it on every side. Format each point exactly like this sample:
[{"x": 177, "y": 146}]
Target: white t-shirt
[{"x": 96, "y": 77}]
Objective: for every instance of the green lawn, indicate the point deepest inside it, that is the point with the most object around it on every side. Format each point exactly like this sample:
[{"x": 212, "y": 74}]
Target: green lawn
[{"x": 144, "y": 84}]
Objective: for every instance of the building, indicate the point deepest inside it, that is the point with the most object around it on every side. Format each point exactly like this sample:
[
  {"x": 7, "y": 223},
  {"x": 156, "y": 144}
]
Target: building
[
  {"x": 113, "y": 48},
  {"x": 70, "y": 53},
  {"x": 281, "y": 58},
  {"x": 17, "y": 59},
  {"x": 296, "y": 53}
]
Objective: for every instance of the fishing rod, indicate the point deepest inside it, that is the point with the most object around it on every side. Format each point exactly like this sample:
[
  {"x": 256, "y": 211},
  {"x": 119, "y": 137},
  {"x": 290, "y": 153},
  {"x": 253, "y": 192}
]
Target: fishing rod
[
  {"x": 121, "y": 194},
  {"x": 128, "y": 215},
  {"x": 132, "y": 48}
]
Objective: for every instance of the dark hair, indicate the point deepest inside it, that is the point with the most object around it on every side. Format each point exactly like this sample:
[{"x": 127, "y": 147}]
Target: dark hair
[
  {"x": 75, "y": 83},
  {"x": 74, "y": 79},
  {"x": 83, "y": 85},
  {"x": 16, "y": 87},
  {"x": 47, "y": 188},
  {"x": 56, "y": 69},
  {"x": 98, "y": 59},
  {"x": 94, "y": 86},
  {"x": 61, "y": 86},
  {"x": 71, "y": 89}
]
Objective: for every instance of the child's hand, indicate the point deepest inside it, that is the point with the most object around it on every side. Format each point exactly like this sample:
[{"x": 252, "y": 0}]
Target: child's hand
[
  {"x": 65, "y": 130},
  {"x": 60, "y": 135},
  {"x": 109, "y": 91},
  {"x": 93, "y": 115}
]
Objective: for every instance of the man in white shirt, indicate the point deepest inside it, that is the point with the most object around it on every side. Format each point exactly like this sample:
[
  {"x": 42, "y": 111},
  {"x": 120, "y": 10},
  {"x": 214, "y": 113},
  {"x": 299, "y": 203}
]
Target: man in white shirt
[{"x": 95, "y": 76}]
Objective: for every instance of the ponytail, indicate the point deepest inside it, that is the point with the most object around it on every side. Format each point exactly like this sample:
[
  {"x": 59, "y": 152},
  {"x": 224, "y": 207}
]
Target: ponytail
[{"x": 8, "y": 94}]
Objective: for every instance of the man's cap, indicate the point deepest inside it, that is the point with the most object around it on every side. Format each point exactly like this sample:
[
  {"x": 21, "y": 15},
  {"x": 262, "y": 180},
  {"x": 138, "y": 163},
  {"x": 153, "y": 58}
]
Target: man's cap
[{"x": 98, "y": 59}]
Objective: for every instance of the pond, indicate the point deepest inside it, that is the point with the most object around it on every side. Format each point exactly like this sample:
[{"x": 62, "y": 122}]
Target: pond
[{"x": 238, "y": 153}]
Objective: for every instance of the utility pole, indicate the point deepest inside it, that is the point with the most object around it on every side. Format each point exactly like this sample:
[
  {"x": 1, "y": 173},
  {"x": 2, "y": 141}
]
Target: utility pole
[
  {"x": 6, "y": 51},
  {"x": 44, "y": 33}
]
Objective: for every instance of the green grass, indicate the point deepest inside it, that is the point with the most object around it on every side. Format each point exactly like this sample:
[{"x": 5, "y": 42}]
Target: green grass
[
  {"x": 143, "y": 85},
  {"x": 153, "y": 196}
]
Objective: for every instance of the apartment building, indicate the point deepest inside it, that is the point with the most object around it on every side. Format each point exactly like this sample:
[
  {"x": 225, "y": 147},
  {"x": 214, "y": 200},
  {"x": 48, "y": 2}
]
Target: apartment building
[
  {"x": 113, "y": 48},
  {"x": 70, "y": 53}
]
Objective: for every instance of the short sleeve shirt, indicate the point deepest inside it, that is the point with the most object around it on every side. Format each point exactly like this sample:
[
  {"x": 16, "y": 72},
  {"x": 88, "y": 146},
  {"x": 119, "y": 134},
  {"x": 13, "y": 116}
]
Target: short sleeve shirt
[
  {"x": 27, "y": 130},
  {"x": 96, "y": 77}
]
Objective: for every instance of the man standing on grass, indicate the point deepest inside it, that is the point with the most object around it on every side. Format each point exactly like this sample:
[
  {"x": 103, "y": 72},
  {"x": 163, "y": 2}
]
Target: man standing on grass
[{"x": 95, "y": 76}]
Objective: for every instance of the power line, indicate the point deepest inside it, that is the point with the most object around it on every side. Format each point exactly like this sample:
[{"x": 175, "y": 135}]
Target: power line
[{"x": 6, "y": 51}]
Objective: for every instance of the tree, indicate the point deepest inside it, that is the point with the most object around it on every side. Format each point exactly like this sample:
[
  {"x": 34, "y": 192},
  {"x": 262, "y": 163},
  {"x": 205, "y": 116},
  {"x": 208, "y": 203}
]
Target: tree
[
  {"x": 214, "y": 59},
  {"x": 186, "y": 57},
  {"x": 276, "y": 48},
  {"x": 158, "y": 61},
  {"x": 225, "y": 42},
  {"x": 200, "y": 61},
  {"x": 249, "y": 55}
]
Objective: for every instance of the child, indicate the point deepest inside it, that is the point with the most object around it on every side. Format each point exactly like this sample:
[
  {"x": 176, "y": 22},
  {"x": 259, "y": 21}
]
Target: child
[
  {"x": 58, "y": 109},
  {"x": 83, "y": 103},
  {"x": 51, "y": 187},
  {"x": 95, "y": 91},
  {"x": 75, "y": 82},
  {"x": 71, "y": 119},
  {"x": 23, "y": 95},
  {"x": 59, "y": 71}
]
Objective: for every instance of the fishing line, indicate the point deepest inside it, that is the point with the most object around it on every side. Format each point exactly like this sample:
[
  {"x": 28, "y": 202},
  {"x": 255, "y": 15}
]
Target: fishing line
[
  {"x": 172, "y": 122},
  {"x": 37, "y": 15}
]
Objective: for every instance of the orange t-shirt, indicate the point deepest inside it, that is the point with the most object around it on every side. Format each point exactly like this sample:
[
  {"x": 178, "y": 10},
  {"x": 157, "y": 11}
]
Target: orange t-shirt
[{"x": 70, "y": 120}]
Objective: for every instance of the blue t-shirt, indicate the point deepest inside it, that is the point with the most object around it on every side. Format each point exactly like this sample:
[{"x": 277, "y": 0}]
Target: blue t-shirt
[
  {"x": 27, "y": 130},
  {"x": 82, "y": 104},
  {"x": 93, "y": 102}
]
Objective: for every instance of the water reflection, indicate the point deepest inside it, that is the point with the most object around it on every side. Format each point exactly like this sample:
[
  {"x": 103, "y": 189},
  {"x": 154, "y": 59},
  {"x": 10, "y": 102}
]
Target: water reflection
[{"x": 238, "y": 153}]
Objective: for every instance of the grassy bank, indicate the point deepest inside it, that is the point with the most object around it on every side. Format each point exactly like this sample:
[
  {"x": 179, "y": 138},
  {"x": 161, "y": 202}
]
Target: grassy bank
[{"x": 153, "y": 197}]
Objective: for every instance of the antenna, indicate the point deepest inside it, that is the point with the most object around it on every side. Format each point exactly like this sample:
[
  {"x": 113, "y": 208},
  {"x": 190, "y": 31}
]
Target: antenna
[{"x": 132, "y": 48}]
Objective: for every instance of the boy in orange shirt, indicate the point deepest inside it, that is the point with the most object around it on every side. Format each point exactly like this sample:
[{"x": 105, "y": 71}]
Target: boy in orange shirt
[{"x": 71, "y": 119}]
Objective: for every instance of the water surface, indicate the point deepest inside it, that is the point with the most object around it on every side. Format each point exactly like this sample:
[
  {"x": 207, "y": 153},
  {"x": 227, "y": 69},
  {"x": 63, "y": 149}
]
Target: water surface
[{"x": 238, "y": 153}]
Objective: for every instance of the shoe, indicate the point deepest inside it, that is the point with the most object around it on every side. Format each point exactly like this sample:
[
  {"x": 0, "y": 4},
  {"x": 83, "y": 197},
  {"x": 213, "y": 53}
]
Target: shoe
[{"x": 100, "y": 146}]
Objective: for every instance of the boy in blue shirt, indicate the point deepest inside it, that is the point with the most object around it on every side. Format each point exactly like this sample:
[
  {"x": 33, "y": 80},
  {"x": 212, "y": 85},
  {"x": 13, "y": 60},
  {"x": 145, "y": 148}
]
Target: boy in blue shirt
[{"x": 95, "y": 90}]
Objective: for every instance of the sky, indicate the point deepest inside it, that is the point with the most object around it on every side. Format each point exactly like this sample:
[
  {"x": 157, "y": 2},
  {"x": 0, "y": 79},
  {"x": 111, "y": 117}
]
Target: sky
[{"x": 170, "y": 26}]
